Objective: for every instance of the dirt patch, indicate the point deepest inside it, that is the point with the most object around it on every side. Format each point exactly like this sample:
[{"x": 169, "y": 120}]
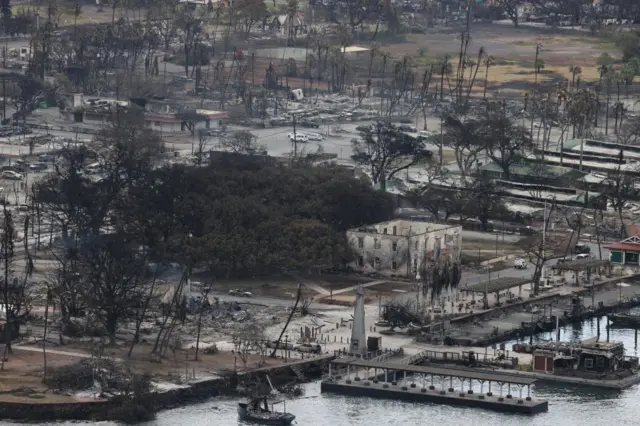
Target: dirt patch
[
  {"x": 172, "y": 368},
  {"x": 24, "y": 370},
  {"x": 513, "y": 50}
]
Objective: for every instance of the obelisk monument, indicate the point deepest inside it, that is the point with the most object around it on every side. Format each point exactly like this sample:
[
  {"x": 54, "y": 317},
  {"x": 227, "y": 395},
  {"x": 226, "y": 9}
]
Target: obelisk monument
[{"x": 358, "y": 344}]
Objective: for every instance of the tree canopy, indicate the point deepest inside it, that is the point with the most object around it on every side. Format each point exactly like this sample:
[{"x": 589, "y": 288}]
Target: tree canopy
[
  {"x": 384, "y": 150},
  {"x": 239, "y": 215}
]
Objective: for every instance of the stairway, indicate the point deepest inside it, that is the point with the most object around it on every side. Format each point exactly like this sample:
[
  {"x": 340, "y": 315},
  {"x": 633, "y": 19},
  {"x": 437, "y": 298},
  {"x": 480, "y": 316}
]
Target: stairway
[{"x": 297, "y": 372}]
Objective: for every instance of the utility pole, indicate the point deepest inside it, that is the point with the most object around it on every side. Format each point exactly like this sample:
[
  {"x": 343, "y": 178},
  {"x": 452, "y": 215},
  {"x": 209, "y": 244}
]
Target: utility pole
[
  {"x": 295, "y": 138},
  {"x": 584, "y": 124},
  {"x": 4, "y": 99},
  {"x": 253, "y": 68}
]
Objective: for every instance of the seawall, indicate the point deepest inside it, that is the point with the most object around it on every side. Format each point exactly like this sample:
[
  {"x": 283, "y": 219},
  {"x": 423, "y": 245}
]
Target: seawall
[{"x": 197, "y": 391}]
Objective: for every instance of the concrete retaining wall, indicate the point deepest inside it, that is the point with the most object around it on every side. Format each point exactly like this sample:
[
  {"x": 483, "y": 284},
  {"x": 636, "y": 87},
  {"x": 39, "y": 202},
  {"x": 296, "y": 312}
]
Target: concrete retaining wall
[{"x": 98, "y": 410}]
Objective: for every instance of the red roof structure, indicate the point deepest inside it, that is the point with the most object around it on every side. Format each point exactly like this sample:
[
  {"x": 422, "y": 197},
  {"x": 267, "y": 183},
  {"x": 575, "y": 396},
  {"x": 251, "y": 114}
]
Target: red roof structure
[{"x": 630, "y": 244}]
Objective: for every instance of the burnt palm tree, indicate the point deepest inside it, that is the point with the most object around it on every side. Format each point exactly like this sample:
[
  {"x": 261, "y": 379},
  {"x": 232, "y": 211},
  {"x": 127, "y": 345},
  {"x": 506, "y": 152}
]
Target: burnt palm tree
[
  {"x": 575, "y": 72},
  {"x": 77, "y": 11},
  {"x": 619, "y": 110},
  {"x": 473, "y": 73},
  {"x": 603, "y": 71},
  {"x": 445, "y": 71},
  {"x": 488, "y": 61}
]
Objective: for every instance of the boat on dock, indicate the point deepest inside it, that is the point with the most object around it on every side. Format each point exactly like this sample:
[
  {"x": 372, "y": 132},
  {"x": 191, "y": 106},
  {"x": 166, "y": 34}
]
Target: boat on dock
[
  {"x": 255, "y": 412},
  {"x": 624, "y": 320}
]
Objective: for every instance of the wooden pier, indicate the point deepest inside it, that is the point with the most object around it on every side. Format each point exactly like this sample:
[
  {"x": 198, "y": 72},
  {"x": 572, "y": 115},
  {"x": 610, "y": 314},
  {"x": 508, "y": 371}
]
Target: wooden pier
[{"x": 359, "y": 378}]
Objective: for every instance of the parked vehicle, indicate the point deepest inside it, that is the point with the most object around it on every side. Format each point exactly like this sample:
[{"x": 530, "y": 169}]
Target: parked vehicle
[
  {"x": 298, "y": 137},
  {"x": 314, "y": 136},
  {"x": 583, "y": 256},
  {"x": 240, "y": 293},
  {"x": 37, "y": 167},
  {"x": 520, "y": 264},
  {"x": 9, "y": 174},
  {"x": 309, "y": 123},
  {"x": 363, "y": 128},
  {"x": 581, "y": 248}
]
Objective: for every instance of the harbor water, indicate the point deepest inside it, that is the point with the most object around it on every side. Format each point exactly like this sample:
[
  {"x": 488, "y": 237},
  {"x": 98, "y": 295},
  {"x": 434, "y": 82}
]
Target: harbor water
[{"x": 568, "y": 405}]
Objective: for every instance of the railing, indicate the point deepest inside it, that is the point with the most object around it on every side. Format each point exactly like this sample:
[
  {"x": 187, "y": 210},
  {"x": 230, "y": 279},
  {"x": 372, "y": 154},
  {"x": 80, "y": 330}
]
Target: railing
[
  {"x": 386, "y": 356},
  {"x": 369, "y": 356},
  {"x": 444, "y": 356},
  {"x": 415, "y": 358}
]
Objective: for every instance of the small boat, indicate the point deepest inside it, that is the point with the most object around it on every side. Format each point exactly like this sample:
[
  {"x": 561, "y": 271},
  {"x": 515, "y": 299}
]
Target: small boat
[
  {"x": 625, "y": 320},
  {"x": 254, "y": 412}
]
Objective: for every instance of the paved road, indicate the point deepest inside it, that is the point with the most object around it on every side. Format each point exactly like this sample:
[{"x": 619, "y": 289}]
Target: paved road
[{"x": 270, "y": 301}]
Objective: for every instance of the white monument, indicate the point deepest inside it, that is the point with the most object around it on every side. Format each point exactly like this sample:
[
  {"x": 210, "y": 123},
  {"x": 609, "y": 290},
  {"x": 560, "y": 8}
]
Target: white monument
[{"x": 358, "y": 344}]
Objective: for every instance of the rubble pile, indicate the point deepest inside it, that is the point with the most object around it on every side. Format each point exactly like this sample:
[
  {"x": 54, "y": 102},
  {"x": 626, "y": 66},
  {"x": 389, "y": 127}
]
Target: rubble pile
[{"x": 223, "y": 320}]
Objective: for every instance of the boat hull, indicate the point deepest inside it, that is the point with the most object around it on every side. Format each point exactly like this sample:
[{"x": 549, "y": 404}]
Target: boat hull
[
  {"x": 630, "y": 321},
  {"x": 264, "y": 418}
]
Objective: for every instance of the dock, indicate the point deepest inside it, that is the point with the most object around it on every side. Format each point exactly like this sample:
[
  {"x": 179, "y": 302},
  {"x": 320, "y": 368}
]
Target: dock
[{"x": 360, "y": 378}]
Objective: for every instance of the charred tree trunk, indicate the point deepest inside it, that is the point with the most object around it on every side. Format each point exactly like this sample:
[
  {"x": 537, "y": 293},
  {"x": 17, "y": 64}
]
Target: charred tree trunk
[{"x": 295, "y": 305}]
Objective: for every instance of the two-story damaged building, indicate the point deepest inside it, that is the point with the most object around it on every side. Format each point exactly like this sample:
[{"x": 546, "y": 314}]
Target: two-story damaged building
[{"x": 402, "y": 248}]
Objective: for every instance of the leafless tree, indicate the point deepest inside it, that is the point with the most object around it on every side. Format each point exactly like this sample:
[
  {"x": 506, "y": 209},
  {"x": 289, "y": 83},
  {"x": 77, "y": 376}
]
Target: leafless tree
[
  {"x": 204, "y": 292},
  {"x": 250, "y": 340},
  {"x": 242, "y": 142},
  {"x": 200, "y": 150},
  {"x": 619, "y": 188},
  {"x": 16, "y": 290}
]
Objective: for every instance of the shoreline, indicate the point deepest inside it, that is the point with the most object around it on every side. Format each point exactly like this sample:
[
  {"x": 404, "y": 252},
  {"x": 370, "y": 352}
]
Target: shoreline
[{"x": 195, "y": 392}]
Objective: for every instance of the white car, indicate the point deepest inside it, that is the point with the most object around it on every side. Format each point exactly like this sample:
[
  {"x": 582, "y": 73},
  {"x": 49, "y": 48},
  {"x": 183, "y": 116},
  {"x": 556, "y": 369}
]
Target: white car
[
  {"x": 298, "y": 137},
  {"x": 314, "y": 136},
  {"x": 520, "y": 264},
  {"x": 240, "y": 293},
  {"x": 9, "y": 174}
]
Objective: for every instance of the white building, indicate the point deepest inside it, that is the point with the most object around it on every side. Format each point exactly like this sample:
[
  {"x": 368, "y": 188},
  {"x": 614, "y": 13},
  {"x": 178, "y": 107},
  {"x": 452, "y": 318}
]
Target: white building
[
  {"x": 401, "y": 248},
  {"x": 170, "y": 123}
]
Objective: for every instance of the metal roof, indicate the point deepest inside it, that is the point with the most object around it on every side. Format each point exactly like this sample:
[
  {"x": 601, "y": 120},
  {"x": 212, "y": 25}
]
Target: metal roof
[
  {"x": 580, "y": 265},
  {"x": 448, "y": 372},
  {"x": 495, "y": 285},
  {"x": 625, "y": 246}
]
